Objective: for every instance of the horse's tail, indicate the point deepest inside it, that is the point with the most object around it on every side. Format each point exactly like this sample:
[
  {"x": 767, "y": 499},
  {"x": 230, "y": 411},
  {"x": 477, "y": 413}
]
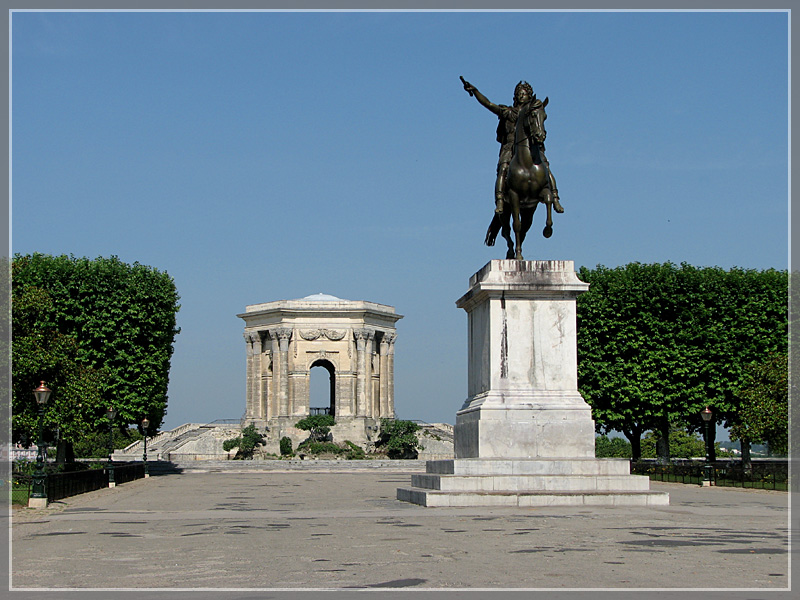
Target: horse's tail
[{"x": 494, "y": 229}]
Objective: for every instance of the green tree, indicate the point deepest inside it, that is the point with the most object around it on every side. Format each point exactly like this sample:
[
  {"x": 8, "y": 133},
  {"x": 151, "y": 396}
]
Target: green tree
[
  {"x": 657, "y": 343},
  {"x": 44, "y": 354},
  {"x": 98, "y": 332},
  {"x": 246, "y": 443},
  {"x": 616, "y": 447},
  {"x": 750, "y": 322},
  {"x": 95, "y": 443},
  {"x": 399, "y": 438},
  {"x": 682, "y": 444},
  {"x": 764, "y": 404},
  {"x": 318, "y": 426},
  {"x": 286, "y": 446}
]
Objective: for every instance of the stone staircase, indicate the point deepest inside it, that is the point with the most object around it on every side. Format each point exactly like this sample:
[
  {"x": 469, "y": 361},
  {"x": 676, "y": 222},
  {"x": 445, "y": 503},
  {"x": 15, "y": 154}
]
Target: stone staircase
[
  {"x": 176, "y": 442},
  {"x": 441, "y": 430},
  {"x": 436, "y": 439},
  {"x": 167, "y": 442}
]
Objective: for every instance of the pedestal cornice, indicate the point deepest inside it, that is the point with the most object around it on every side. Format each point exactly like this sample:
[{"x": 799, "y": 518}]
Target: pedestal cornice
[{"x": 550, "y": 279}]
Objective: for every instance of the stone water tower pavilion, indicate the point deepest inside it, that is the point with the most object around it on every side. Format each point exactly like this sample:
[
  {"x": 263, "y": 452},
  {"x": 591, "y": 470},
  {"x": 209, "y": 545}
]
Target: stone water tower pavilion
[{"x": 352, "y": 340}]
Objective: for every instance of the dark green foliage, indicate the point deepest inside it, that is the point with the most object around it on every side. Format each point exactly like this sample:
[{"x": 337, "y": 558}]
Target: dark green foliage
[
  {"x": 247, "y": 443},
  {"x": 98, "y": 332},
  {"x": 313, "y": 447},
  {"x": 286, "y": 446},
  {"x": 764, "y": 401},
  {"x": 657, "y": 343},
  {"x": 348, "y": 449},
  {"x": 43, "y": 353},
  {"x": 354, "y": 452},
  {"x": 95, "y": 443},
  {"x": 605, "y": 447},
  {"x": 399, "y": 438},
  {"x": 318, "y": 426}
]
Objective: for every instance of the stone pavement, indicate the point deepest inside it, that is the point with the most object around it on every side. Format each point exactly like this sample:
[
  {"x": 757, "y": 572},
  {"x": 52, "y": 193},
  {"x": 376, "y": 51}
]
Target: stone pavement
[{"x": 315, "y": 529}]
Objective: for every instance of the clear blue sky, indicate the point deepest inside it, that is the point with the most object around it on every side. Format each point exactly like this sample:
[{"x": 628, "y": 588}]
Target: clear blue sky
[{"x": 264, "y": 156}]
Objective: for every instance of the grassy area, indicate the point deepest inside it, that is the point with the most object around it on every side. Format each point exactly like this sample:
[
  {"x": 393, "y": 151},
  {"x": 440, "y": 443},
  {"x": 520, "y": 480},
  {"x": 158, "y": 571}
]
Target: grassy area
[
  {"x": 759, "y": 485},
  {"x": 19, "y": 493}
]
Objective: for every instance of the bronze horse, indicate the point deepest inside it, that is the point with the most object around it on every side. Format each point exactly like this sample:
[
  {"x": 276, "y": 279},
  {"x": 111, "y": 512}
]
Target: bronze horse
[{"x": 527, "y": 183}]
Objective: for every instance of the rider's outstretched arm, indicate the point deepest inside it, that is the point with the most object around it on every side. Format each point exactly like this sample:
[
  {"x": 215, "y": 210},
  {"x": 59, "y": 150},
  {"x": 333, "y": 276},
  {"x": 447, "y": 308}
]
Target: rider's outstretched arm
[{"x": 473, "y": 91}]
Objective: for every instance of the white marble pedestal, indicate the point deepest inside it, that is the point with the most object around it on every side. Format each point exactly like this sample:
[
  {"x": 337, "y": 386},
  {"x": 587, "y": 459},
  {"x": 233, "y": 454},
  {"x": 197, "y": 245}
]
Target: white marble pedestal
[{"x": 525, "y": 436}]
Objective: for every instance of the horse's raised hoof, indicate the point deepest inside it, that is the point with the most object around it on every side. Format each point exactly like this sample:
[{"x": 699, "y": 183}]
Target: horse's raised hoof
[{"x": 548, "y": 231}]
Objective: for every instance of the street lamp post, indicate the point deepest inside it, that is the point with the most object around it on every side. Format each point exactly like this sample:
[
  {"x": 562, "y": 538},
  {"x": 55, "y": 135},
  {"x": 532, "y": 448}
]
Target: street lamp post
[
  {"x": 38, "y": 497},
  {"x": 145, "y": 425},
  {"x": 111, "y": 413},
  {"x": 707, "y": 414}
]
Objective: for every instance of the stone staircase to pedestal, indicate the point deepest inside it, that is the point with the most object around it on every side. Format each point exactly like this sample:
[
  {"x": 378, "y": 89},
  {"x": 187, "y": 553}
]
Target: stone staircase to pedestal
[{"x": 530, "y": 482}]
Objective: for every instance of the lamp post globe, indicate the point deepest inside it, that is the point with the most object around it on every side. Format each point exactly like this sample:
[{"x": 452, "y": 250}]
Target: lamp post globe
[
  {"x": 145, "y": 425},
  {"x": 706, "y": 415},
  {"x": 111, "y": 414},
  {"x": 38, "y": 497}
]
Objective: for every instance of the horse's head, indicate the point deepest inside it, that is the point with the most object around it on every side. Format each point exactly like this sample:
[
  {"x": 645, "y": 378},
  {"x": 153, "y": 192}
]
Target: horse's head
[{"x": 534, "y": 120}]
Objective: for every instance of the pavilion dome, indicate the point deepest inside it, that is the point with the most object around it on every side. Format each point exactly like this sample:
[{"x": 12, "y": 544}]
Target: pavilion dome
[{"x": 321, "y": 298}]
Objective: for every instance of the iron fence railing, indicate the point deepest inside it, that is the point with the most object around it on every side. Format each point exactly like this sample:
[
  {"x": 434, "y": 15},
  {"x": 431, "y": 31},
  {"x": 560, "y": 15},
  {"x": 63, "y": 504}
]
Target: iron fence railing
[
  {"x": 63, "y": 485},
  {"x": 766, "y": 475},
  {"x": 128, "y": 472},
  {"x": 72, "y": 483}
]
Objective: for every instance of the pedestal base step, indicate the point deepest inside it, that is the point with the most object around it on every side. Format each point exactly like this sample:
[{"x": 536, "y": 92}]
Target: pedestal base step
[
  {"x": 529, "y": 466},
  {"x": 433, "y": 498},
  {"x": 530, "y": 482}
]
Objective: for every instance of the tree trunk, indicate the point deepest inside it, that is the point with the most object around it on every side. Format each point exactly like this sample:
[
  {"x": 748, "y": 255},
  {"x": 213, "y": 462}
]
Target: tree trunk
[
  {"x": 662, "y": 443},
  {"x": 712, "y": 437},
  {"x": 747, "y": 462},
  {"x": 634, "y": 435},
  {"x": 64, "y": 452}
]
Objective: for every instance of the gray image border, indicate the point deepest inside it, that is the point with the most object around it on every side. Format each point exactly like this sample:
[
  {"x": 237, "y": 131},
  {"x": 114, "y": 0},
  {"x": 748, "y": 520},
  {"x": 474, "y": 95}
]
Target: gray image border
[{"x": 443, "y": 594}]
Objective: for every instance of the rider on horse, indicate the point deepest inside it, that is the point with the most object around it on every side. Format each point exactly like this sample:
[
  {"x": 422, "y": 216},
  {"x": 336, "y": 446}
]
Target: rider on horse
[{"x": 507, "y": 115}]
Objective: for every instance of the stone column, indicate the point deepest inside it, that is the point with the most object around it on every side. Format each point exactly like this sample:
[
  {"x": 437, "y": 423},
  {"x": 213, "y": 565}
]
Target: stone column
[
  {"x": 258, "y": 397},
  {"x": 369, "y": 350},
  {"x": 387, "y": 375},
  {"x": 266, "y": 381},
  {"x": 299, "y": 393},
  {"x": 274, "y": 392},
  {"x": 283, "y": 334},
  {"x": 391, "y": 377},
  {"x": 249, "y": 376},
  {"x": 352, "y": 381},
  {"x": 383, "y": 381},
  {"x": 360, "y": 336}
]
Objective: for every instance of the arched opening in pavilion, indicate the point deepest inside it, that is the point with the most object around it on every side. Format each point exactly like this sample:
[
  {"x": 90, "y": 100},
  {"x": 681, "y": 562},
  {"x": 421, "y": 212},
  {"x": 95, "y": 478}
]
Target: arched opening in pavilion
[{"x": 322, "y": 388}]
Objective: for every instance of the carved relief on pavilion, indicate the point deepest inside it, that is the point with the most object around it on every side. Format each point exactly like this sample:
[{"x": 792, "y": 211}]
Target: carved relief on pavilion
[{"x": 333, "y": 335}]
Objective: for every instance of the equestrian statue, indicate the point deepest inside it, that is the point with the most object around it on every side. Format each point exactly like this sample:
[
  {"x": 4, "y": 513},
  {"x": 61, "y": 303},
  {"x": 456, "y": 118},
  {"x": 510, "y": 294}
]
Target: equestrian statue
[{"x": 524, "y": 178}]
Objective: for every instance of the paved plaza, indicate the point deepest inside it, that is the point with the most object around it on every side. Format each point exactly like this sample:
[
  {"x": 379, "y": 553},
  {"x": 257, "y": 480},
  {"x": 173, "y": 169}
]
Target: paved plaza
[{"x": 315, "y": 529}]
